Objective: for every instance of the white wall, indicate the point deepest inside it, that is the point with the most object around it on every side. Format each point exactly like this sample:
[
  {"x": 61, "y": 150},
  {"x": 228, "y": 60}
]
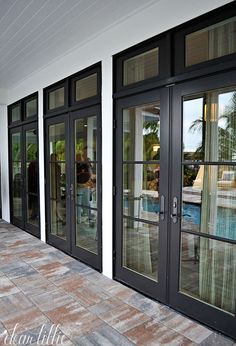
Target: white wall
[
  {"x": 4, "y": 163},
  {"x": 163, "y": 15}
]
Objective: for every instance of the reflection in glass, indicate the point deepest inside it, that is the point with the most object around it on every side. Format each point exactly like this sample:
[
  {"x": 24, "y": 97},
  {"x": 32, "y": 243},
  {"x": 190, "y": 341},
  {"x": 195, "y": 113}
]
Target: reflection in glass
[
  {"x": 32, "y": 189},
  {"x": 16, "y": 113},
  {"x": 57, "y": 142},
  {"x": 32, "y": 209},
  {"x": 86, "y": 139},
  {"x": 86, "y": 229},
  {"x": 141, "y": 67},
  {"x": 140, "y": 247},
  {"x": 212, "y": 42},
  {"x": 16, "y": 146},
  {"x": 57, "y": 98},
  {"x": 58, "y": 218},
  {"x": 141, "y": 191},
  {"x": 57, "y": 180},
  {"x": 17, "y": 189},
  {"x": 209, "y": 200},
  {"x": 31, "y": 145},
  {"x": 141, "y": 133},
  {"x": 58, "y": 197},
  {"x": 86, "y": 87},
  {"x": 31, "y": 108},
  {"x": 208, "y": 271},
  {"x": 86, "y": 184},
  {"x": 209, "y": 126}
]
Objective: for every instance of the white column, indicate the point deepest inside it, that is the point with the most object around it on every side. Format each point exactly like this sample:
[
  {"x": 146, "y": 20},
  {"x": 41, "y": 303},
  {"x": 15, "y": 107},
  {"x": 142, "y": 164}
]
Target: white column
[
  {"x": 107, "y": 140},
  {"x": 41, "y": 166},
  {"x": 4, "y": 163}
]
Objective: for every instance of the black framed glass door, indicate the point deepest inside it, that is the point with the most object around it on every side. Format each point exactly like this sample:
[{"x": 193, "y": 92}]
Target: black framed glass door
[
  {"x": 142, "y": 191},
  {"x": 24, "y": 184},
  {"x": 203, "y": 227},
  {"x": 181, "y": 251},
  {"x": 73, "y": 176}
]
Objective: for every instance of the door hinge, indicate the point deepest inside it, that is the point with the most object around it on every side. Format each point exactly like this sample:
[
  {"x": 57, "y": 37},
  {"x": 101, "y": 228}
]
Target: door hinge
[
  {"x": 114, "y": 124},
  {"x": 114, "y": 255},
  {"x": 114, "y": 190}
]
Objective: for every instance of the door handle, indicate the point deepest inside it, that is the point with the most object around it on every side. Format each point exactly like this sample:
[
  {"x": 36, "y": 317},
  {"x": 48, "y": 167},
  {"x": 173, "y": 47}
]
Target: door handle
[
  {"x": 162, "y": 208},
  {"x": 174, "y": 214},
  {"x": 72, "y": 192}
]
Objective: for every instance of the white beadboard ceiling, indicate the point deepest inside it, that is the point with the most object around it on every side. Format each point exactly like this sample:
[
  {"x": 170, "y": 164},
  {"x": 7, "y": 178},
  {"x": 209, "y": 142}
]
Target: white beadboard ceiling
[{"x": 33, "y": 33}]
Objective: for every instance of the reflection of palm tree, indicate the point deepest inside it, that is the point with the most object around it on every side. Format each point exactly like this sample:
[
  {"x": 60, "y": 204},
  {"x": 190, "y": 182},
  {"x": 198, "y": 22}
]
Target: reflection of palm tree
[
  {"x": 150, "y": 138},
  {"x": 226, "y": 133}
]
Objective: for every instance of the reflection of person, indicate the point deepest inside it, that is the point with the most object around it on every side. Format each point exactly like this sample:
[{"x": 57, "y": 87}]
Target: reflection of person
[
  {"x": 56, "y": 187},
  {"x": 84, "y": 184},
  {"x": 33, "y": 188}
]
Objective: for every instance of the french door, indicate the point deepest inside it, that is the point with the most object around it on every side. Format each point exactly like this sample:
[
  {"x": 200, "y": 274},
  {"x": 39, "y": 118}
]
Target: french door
[
  {"x": 175, "y": 197},
  {"x": 142, "y": 191},
  {"x": 73, "y": 180},
  {"x": 24, "y": 182},
  {"x": 203, "y": 228}
]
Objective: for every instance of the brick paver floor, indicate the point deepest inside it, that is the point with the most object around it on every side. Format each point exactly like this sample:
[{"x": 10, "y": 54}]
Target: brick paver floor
[{"x": 49, "y": 298}]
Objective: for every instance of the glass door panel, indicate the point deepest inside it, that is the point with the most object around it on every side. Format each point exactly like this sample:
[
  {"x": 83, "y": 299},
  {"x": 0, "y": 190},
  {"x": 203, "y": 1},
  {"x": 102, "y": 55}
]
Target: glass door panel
[
  {"x": 57, "y": 178},
  {"x": 17, "y": 190},
  {"x": 86, "y": 183},
  {"x": 16, "y": 177},
  {"x": 32, "y": 178},
  {"x": 141, "y": 146},
  {"x": 203, "y": 275},
  {"x": 142, "y": 191},
  {"x": 73, "y": 179}
]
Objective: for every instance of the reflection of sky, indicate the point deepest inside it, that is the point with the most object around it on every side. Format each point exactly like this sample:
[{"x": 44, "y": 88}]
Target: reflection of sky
[{"x": 192, "y": 110}]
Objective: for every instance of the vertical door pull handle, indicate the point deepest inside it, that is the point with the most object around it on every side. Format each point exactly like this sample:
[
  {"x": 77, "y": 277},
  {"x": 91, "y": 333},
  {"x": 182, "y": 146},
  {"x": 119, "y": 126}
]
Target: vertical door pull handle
[
  {"x": 162, "y": 208},
  {"x": 174, "y": 214}
]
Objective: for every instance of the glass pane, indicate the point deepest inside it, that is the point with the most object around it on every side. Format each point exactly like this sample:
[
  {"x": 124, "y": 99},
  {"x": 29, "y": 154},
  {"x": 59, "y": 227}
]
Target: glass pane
[
  {"x": 141, "y": 67},
  {"x": 208, "y": 271},
  {"x": 58, "y": 218},
  {"x": 16, "y": 146},
  {"x": 31, "y": 145},
  {"x": 17, "y": 189},
  {"x": 86, "y": 139},
  {"x": 58, "y": 181},
  {"x": 211, "y": 42},
  {"x": 140, "y": 247},
  {"x": 57, "y": 98},
  {"x": 86, "y": 229},
  {"x": 86, "y": 186},
  {"x": 32, "y": 209},
  {"x": 86, "y": 87},
  {"x": 31, "y": 108},
  {"x": 57, "y": 146},
  {"x": 209, "y": 200},
  {"x": 141, "y": 191},
  {"x": 32, "y": 177},
  {"x": 15, "y": 113},
  {"x": 141, "y": 133},
  {"x": 193, "y": 129},
  {"x": 209, "y": 126}
]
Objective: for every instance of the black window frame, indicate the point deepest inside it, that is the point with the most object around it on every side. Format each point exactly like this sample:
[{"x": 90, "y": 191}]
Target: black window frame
[
  {"x": 58, "y": 85},
  {"x": 25, "y": 101},
  {"x": 162, "y": 42},
  {"x": 216, "y": 16},
  {"x": 22, "y": 103},
  {"x": 21, "y": 126},
  {"x": 67, "y": 113},
  {"x": 95, "y": 69}
]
